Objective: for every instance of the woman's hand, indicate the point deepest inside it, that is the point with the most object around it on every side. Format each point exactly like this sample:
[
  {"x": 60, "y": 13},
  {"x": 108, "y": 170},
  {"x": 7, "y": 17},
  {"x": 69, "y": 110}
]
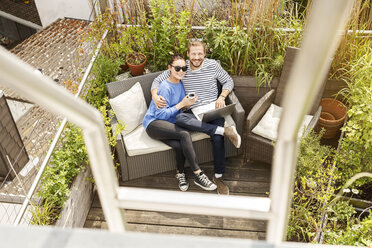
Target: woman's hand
[
  {"x": 186, "y": 102},
  {"x": 159, "y": 101},
  {"x": 189, "y": 101}
]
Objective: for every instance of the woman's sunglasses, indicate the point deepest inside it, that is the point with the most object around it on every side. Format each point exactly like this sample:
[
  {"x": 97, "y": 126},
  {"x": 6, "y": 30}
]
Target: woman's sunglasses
[{"x": 178, "y": 68}]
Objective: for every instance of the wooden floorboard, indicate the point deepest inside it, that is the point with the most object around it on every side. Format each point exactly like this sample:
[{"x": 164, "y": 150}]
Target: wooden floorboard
[
  {"x": 139, "y": 227},
  {"x": 185, "y": 220},
  {"x": 243, "y": 178}
]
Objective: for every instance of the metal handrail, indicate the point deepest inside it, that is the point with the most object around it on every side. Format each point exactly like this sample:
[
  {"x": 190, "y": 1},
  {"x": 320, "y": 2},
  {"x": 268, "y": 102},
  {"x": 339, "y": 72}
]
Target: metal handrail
[{"x": 56, "y": 138}]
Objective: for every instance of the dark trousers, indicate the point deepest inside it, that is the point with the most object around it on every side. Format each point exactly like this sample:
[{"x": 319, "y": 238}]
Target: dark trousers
[
  {"x": 188, "y": 120},
  {"x": 176, "y": 137}
]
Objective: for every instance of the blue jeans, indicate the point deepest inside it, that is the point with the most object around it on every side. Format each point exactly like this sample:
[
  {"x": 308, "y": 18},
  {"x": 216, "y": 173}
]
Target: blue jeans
[{"x": 188, "y": 120}]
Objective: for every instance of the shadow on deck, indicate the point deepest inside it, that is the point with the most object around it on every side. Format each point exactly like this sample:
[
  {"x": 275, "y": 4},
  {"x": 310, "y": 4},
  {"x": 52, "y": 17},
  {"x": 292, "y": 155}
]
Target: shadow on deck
[{"x": 243, "y": 178}]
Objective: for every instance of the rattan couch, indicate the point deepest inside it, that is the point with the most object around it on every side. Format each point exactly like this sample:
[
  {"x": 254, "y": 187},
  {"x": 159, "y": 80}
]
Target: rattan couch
[
  {"x": 132, "y": 167},
  {"x": 259, "y": 148}
]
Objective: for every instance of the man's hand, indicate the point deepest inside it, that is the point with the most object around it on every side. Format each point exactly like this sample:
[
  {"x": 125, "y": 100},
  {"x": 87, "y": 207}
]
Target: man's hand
[
  {"x": 159, "y": 101},
  {"x": 220, "y": 103}
]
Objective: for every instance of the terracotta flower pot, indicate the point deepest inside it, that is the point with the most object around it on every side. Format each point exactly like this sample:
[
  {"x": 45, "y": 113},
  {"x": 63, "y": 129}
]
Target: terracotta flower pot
[
  {"x": 136, "y": 69},
  {"x": 332, "y": 117}
]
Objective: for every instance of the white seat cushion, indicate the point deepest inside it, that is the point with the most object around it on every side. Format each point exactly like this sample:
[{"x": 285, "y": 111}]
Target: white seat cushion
[
  {"x": 267, "y": 127},
  {"x": 138, "y": 142},
  {"x": 130, "y": 107}
]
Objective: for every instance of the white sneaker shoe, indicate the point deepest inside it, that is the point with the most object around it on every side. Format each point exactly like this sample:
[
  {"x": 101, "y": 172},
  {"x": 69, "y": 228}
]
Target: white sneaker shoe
[{"x": 233, "y": 136}]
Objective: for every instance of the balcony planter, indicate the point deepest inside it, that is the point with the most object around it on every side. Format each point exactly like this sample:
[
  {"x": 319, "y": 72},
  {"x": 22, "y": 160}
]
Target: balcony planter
[
  {"x": 332, "y": 117},
  {"x": 136, "y": 63},
  {"x": 76, "y": 208}
]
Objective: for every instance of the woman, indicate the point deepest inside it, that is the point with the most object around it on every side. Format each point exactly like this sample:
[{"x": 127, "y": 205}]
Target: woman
[{"x": 160, "y": 124}]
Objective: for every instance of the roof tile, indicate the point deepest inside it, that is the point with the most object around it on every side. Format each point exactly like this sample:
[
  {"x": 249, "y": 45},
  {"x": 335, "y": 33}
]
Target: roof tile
[{"x": 54, "y": 50}]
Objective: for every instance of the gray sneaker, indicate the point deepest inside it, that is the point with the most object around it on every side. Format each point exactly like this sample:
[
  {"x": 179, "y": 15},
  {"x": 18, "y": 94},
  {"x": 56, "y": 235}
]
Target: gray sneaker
[
  {"x": 183, "y": 184},
  {"x": 203, "y": 182}
]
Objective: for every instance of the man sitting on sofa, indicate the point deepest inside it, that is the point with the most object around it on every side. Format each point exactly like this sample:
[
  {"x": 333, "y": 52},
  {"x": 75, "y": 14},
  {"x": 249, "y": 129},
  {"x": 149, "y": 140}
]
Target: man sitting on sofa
[{"x": 201, "y": 78}]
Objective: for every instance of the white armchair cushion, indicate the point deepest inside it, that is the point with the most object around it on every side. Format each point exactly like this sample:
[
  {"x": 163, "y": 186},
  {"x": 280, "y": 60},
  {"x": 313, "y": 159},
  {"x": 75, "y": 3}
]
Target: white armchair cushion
[
  {"x": 268, "y": 125},
  {"x": 130, "y": 107},
  {"x": 139, "y": 143}
]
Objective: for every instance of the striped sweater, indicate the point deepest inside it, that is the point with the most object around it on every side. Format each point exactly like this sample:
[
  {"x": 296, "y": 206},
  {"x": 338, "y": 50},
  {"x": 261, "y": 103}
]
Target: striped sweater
[{"x": 203, "y": 81}]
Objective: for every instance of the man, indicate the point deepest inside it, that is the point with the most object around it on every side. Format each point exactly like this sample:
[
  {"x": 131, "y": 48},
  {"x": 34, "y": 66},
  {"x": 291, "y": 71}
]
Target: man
[{"x": 201, "y": 78}]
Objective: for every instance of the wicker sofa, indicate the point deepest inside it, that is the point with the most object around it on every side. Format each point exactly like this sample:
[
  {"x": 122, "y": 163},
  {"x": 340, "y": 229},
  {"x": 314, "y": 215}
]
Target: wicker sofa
[
  {"x": 149, "y": 163},
  {"x": 260, "y": 148}
]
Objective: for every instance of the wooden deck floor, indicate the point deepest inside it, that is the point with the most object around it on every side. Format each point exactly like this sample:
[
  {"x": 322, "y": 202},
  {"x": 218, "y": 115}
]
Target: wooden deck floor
[{"x": 250, "y": 179}]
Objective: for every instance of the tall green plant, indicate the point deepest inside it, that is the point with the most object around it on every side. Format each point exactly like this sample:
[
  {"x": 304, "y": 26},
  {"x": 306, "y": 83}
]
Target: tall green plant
[
  {"x": 105, "y": 69},
  {"x": 169, "y": 32},
  {"x": 258, "y": 49},
  {"x": 132, "y": 39},
  {"x": 356, "y": 148}
]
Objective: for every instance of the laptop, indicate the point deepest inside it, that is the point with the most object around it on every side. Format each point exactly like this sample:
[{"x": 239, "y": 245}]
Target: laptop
[{"x": 208, "y": 112}]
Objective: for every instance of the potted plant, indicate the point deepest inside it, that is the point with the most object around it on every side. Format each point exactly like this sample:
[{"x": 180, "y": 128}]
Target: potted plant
[
  {"x": 332, "y": 117},
  {"x": 136, "y": 62}
]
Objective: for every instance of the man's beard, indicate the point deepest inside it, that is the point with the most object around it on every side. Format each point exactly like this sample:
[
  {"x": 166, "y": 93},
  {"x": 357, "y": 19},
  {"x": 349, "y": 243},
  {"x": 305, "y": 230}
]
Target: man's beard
[{"x": 197, "y": 66}]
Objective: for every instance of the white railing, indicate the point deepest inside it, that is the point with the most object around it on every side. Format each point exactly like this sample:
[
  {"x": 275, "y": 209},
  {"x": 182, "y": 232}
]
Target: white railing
[{"x": 319, "y": 44}]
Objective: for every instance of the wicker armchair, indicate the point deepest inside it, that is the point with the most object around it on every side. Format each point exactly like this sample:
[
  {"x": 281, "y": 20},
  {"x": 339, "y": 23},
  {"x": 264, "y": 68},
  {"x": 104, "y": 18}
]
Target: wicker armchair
[
  {"x": 157, "y": 162},
  {"x": 259, "y": 148}
]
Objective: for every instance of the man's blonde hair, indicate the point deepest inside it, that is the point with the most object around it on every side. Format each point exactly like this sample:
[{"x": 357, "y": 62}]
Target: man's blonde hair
[{"x": 195, "y": 43}]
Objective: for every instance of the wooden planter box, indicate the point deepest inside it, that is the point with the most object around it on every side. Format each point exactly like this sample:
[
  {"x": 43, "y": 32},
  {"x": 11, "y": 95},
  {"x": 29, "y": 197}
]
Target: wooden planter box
[{"x": 76, "y": 208}]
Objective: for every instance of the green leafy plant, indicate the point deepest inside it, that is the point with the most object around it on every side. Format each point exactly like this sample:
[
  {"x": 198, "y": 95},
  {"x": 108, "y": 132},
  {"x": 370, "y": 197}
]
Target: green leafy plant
[
  {"x": 105, "y": 69},
  {"x": 256, "y": 49},
  {"x": 111, "y": 133},
  {"x": 357, "y": 232},
  {"x": 169, "y": 33},
  {"x": 314, "y": 198},
  {"x": 67, "y": 161},
  {"x": 340, "y": 213},
  {"x": 133, "y": 40},
  {"x": 43, "y": 214},
  {"x": 356, "y": 148},
  {"x": 353, "y": 43},
  {"x": 313, "y": 191}
]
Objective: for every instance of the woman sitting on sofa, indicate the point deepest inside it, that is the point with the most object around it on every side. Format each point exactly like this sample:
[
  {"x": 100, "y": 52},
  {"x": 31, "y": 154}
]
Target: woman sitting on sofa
[{"x": 160, "y": 124}]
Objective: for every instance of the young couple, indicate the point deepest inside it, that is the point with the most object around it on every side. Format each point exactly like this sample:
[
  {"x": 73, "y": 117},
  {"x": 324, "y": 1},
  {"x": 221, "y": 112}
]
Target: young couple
[{"x": 165, "y": 119}]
